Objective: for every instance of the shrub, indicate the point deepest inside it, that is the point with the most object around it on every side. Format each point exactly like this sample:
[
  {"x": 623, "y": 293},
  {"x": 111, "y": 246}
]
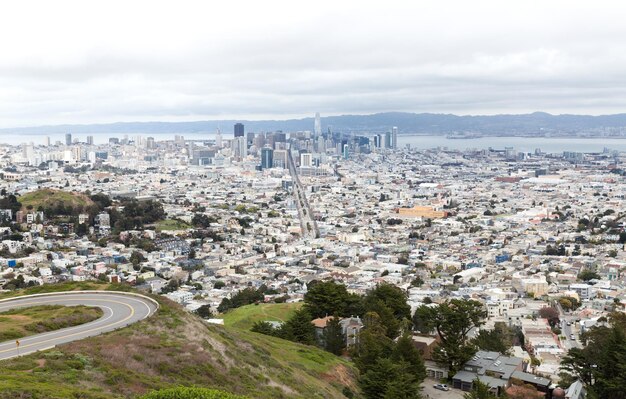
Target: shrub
[{"x": 190, "y": 393}]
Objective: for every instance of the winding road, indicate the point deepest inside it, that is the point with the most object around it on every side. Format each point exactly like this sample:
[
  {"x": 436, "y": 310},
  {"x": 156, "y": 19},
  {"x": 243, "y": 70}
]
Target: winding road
[{"x": 120, "y": 309}]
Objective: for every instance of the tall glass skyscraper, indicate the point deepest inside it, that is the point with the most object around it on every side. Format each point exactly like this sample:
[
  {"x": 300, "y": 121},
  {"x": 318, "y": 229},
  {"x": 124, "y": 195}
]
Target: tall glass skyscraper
[{"x": 239, "y": 130}]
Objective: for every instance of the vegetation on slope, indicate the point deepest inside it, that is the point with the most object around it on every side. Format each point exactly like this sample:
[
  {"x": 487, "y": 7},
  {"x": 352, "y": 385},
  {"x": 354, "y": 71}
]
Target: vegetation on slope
[
  {"x": 244, "y": 317},
  {"x": 175, "y": 348},
  {"x": 51, "y": 199},
  {"x": 22, "y": 322},
  {"x": 190, "y": 393},
  {"x": 171, "y": 224}
]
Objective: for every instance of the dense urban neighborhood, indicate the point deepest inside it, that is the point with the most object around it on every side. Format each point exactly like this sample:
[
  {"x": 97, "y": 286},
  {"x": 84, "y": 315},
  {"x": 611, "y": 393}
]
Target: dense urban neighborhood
[{"x": 436, "y": 272}]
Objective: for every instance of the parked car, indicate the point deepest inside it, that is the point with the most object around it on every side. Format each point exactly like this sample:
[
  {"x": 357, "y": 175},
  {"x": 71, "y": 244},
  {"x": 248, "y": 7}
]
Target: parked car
[
  {"x": 572, "y": 337},
  {"x": 442, "y": 387}
]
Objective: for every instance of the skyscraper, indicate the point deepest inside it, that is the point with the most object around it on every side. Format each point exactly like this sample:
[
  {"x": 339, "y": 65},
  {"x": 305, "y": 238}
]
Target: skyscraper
[
  {"x": 267, "y": 158},
  {"x": 318, "y": 124},
  {"x": 240, "y": 149},
  {"x": 68, "y": 138},
  {"x": 218, "y": 138},
  {"x": 394, "y": 137},
  {"x": 239, "y": 130},
  {"x": 388, "y": 140},
  {"x": 377, "y": 141},
  {"x": 89, "y": 140}
]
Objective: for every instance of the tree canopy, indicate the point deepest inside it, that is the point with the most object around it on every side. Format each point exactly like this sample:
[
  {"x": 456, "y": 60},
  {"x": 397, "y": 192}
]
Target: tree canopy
[{"x": 452, "y": 321}]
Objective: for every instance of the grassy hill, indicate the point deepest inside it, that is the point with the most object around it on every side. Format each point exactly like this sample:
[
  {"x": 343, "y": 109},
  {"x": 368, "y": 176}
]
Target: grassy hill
[
  {"x": 176, "y": 348},
  {"x": 22, "y": 322},
  {"x": 245, "y": 316},
  {"x": 49, "y": 198}
]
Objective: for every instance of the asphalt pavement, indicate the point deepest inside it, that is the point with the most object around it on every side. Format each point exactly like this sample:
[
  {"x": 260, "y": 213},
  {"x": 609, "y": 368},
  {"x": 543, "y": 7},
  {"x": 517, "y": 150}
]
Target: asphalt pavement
[{"x": 120, "y": 309}]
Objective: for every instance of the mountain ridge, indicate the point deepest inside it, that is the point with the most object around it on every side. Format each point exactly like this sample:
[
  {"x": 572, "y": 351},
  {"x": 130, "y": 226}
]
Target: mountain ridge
[{"x": 536, "y": 123}]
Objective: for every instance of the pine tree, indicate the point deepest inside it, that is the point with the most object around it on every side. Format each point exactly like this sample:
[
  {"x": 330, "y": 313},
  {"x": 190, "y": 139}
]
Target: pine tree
[{"x": 334, "y": 339}]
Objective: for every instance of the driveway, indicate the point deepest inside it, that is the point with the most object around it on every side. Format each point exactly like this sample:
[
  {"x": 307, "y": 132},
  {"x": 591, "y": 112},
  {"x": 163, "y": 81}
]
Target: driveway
[{"x": 428, "y": 392}]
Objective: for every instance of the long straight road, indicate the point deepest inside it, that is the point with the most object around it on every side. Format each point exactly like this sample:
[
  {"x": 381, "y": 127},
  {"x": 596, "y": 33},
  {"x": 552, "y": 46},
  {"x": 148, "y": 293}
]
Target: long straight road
[
  {"x": 308, "y": 225},
  {"x": 120, "y": 309}
]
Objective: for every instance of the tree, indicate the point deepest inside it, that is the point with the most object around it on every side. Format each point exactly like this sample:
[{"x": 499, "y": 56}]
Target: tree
[
  {"x": 569, "y": 303},
  {"x": 601, "y": 364},
  {"x": 551, "y": 314},
  {"x": 136, "y": 258},
  {"x": 390, "y": 303},
  {"x": 204, "y": 311},
  {"x": 587, "y": 275},
  {"x": 389, "y": 380},
  {"x": 406, "y": 351},
  {"x": 219, "y": 284},
  {"x": 479, "y": 391},
  {"x": 325, "y": 298},
  {"x": 263, "y": 327},
  {"x": 334, "y": 339},
  {"x": 452, "y": 320},
  {"x": 373, "y": 343},
  {"x": 299, "y": 328},
  {"x": 500, "y": 339}
]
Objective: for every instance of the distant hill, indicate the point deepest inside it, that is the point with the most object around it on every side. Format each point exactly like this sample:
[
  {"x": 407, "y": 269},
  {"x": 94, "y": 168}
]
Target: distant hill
[
  {"x": 174, "y": 348},
  {"x": 49, "y": 198},
  {"x": 538, "y": 123}
]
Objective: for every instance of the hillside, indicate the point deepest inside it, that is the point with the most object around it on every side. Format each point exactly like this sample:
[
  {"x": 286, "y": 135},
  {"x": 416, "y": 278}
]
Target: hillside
[
  {"x": 49, "y": 198},
  {"x": 176, "y": 348},
  {"x": 244, "y": 317}
]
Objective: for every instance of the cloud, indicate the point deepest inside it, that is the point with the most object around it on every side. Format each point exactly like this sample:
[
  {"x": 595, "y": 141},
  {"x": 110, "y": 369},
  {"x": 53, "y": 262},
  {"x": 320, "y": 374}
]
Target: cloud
[{"x": 83, "y": 62}]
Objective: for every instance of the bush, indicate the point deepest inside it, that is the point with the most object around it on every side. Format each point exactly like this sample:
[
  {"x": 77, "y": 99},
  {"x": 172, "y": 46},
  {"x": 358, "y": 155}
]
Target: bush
[{"x": 190, "y": 393}]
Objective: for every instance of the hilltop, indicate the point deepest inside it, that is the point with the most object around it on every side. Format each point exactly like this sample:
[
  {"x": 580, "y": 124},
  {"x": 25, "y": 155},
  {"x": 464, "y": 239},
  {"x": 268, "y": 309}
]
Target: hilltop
[
  {"x": 49, "y": 199},
  {"x": 175, "y": 348}
]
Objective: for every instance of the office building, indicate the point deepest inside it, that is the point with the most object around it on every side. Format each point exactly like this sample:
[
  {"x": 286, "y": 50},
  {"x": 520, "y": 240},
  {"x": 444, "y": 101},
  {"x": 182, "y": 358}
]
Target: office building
[
  {"x": 267, "y": 158},
  {"x": 394, "y": 138},
  {"x": 306, "y": 160},
  {"x": 239, "y": 130},
  {"x": 150, "y": 143},
  {"x": 388, "y": 140},
  {"x": 240, "y": 149},
  {"x": 68, "y": 138},
  {"x": 280, "y": 158},
  {"x": 89, "y": 140},
  {"x": 377, "y": 141},
  {"x": 318, "y": 124},
  {"x": 218, "y": 138}
]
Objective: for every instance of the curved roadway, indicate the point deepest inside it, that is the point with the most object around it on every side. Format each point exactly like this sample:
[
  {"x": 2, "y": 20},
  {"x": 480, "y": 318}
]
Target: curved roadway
[{"x": 120, "y": 309}]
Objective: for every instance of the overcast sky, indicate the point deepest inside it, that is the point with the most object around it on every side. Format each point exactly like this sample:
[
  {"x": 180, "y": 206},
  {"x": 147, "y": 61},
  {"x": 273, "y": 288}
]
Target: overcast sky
[{"x": 75, "y": 62}]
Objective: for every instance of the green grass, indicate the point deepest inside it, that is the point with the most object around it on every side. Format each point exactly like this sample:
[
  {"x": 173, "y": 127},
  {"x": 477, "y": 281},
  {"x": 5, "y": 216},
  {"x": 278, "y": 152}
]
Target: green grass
[
  {"x": 47, "y": 198},
  {"x": 174, "y": 348},
  {"x": 22, "y": 322},
  {"x": 171, "y": 224},
  {"x": 245, "y": 316}
]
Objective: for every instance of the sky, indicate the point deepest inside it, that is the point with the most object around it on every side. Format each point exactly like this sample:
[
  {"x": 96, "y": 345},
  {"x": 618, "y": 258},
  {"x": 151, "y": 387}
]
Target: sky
[{"x": 108, "y": 61}]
